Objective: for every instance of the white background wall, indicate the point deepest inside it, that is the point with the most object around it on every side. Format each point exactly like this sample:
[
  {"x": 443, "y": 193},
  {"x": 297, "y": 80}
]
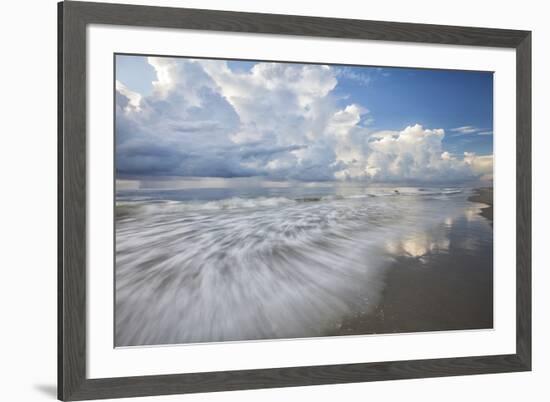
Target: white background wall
[{"x": 28, "y": 199}]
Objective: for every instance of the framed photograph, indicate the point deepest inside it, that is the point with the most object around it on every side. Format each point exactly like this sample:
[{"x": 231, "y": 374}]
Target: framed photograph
[{"x": 256, "y": 201}]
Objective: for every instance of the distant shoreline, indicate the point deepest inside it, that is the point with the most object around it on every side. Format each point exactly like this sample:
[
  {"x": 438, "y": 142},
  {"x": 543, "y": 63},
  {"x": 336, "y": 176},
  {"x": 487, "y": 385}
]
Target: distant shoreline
[{"x": 484, "y": 195}]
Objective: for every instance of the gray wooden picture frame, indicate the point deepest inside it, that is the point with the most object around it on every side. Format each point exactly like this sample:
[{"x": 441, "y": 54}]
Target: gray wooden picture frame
[{"x": 73, "y": 18}]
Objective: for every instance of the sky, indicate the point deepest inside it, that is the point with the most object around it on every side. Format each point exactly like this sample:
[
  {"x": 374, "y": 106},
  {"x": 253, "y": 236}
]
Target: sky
[{"x": 182, "y": 117}]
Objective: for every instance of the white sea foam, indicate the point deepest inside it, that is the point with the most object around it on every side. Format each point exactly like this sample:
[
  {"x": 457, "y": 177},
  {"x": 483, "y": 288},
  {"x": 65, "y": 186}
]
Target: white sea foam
[{"x": 268, "y": 267}]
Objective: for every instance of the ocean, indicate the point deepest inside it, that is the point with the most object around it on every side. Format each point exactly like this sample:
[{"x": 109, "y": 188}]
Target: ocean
[{"x": 269, "y": 262}]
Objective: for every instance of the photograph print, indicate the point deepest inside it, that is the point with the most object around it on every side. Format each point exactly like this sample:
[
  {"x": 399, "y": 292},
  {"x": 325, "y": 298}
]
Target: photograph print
[{"x": 261, "y": 200}]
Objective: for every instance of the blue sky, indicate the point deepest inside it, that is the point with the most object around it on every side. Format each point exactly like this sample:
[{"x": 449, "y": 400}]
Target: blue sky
[
  {"x": 433, "y": 98},
  {"x": 304, "y": 122}
]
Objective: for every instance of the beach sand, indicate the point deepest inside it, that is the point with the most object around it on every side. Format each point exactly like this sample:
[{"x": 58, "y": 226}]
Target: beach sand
[
  {"x": 484, "y": 196},
  {"x": 449, "y": 291}
]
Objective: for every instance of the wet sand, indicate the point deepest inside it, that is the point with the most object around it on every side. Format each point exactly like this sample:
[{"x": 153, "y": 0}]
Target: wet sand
[
  {"x": 484, "y": 196},
  {"x": 444, "y": 291}
]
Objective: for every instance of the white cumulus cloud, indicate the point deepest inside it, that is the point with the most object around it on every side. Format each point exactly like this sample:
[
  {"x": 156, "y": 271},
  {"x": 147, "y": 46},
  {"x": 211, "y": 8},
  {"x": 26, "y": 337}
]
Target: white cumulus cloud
[
  {"x": 416, "y": 154},
  {"x": 277, "y": 120}
]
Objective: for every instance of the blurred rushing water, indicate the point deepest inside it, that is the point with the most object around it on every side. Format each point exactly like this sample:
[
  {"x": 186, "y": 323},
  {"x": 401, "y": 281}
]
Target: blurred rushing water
[{"x": 209, "y": 266}]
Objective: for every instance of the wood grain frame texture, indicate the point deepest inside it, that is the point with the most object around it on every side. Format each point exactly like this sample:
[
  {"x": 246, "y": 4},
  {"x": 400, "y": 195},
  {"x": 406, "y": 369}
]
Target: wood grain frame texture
[{"x": 73, "y": 18}]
